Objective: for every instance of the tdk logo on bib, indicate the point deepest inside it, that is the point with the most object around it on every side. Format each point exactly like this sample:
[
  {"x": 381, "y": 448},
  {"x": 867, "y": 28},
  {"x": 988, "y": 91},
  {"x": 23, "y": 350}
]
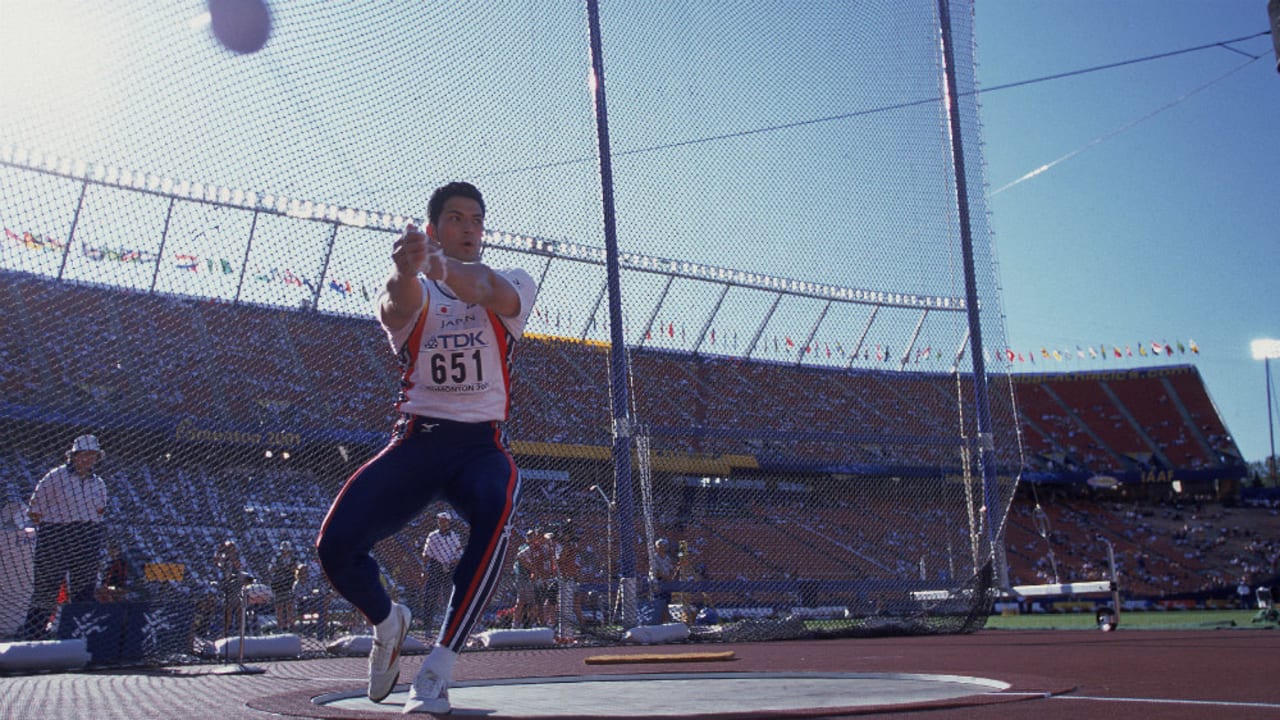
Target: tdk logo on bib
[{"x": 456, "y": 341}]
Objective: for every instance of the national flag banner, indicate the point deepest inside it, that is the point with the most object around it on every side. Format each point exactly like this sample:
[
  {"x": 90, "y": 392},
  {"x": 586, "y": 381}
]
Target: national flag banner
[
  {"x": 34, "y": 241},
  {"x": 1103, "y": 351}
]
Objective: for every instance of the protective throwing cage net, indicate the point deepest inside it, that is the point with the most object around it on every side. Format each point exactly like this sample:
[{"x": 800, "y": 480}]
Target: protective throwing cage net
[{"x": 194, "y": 237}]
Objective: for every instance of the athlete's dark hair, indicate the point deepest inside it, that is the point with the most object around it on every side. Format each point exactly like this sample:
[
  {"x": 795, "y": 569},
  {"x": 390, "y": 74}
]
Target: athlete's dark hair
[{"x": 454, "y": 189}]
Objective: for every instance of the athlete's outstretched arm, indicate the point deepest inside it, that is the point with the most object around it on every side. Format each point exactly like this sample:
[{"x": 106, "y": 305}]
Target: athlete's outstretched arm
[{"x": 404, "y": 295}]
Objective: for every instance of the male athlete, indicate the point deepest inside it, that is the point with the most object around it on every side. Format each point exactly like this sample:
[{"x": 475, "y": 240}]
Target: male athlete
[{"x": 454, "y": 322}]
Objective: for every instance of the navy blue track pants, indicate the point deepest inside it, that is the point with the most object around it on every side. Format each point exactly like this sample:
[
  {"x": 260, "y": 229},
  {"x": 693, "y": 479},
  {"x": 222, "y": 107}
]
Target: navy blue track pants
[{"x": 428, "y": 459}]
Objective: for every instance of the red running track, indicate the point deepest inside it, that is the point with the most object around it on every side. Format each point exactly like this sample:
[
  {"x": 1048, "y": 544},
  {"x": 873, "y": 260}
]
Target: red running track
[{"x": 1054, "y": 675}]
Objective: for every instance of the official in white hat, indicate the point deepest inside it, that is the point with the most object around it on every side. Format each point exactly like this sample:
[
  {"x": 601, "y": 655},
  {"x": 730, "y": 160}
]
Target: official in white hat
[
  {"x": 67, "y": 508},
  {"x": 440, "y": 553}
]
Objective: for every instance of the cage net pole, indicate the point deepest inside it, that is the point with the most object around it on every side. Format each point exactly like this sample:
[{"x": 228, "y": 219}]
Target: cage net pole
[
  {"x": 986, "y": 461},
  {"x": 622, "y": 431}
]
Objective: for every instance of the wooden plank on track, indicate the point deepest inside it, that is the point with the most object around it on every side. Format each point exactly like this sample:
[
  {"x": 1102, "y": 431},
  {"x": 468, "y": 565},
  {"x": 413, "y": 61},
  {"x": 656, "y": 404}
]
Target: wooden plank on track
[{"x": 660, "y": 658}]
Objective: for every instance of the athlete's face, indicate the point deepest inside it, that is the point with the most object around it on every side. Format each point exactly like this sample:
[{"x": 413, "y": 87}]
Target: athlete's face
[{"x": 460, "y": 229}]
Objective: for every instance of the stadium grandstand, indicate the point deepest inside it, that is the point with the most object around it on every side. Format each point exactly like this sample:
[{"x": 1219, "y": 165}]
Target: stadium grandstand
[{"x": 236, "y": 454}]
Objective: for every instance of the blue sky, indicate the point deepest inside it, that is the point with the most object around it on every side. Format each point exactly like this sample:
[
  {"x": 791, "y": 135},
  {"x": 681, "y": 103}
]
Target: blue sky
[{"x": 1168, "y": 229}]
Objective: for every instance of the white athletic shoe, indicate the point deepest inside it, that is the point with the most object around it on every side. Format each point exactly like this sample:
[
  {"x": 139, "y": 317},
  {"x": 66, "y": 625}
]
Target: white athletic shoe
[
  {"x": 429, "y": 694},
  {"x": 384, "y": 659}
]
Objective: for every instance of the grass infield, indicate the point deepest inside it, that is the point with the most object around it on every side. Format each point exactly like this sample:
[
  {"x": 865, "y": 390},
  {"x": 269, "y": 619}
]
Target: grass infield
[{"x": 1135, "y": 620}]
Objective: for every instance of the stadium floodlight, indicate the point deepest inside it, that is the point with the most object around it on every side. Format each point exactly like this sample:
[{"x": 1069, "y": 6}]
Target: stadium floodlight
[{"x": 1266, "y": 350}]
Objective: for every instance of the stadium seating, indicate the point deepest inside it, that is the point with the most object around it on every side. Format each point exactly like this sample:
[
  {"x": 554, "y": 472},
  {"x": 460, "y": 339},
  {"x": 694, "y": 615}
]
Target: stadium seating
[{"x": 158, "y": 360}]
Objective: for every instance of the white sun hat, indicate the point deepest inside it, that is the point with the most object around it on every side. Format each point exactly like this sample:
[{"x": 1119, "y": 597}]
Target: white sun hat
[{"x": 86, "y": 443}]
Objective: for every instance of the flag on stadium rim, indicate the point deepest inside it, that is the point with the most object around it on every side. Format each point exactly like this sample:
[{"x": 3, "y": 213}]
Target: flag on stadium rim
[{"x": 1163, "y": 348}]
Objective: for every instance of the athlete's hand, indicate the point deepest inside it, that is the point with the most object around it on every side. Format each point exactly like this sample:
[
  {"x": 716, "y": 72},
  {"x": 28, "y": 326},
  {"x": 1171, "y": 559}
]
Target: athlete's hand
[{"x": 415, "y": 252}]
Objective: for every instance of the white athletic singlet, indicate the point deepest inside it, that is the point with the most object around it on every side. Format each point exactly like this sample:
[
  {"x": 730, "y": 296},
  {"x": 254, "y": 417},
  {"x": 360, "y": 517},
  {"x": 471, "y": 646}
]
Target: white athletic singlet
[{"x": 456, "y": 357}]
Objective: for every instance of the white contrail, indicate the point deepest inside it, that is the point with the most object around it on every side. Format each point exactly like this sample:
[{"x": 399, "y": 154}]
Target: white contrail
[{"x": 1117, "y": 131}]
